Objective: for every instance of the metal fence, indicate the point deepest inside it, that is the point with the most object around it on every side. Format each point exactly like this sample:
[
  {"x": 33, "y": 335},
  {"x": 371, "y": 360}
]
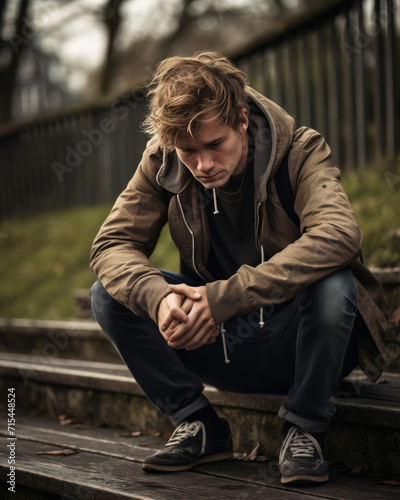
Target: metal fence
[
  {"x": 81, "y": 157},
  {"x": 337, "y": 72}
]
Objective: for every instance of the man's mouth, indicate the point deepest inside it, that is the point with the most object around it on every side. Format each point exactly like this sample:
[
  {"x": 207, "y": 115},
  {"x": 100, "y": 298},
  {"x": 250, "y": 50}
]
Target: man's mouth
[{"x": 208, "y": 177}]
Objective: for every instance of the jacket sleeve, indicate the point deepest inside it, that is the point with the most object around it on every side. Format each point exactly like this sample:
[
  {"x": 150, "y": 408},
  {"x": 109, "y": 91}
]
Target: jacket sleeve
[
  {"x": 120, "y": 251},
  {"x": 330, "y": 237}
]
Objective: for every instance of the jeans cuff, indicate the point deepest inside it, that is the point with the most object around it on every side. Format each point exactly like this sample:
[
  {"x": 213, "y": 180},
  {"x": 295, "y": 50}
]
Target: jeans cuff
[
  {"x": 305, "y": 424},
  {"x": 179, "y": 416}
]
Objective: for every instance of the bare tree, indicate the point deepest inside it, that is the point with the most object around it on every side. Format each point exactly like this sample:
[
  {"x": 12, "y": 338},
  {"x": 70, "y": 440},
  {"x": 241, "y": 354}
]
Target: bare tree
[
  {"x": 184, "y": 19},
  {"x": 10, "y": 54},
  {"x": 112, "y": 20}
]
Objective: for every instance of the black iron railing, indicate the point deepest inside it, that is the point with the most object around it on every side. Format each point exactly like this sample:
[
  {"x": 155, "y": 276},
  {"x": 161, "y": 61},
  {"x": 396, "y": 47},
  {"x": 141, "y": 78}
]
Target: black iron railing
[{"x": 339, "y": 73}]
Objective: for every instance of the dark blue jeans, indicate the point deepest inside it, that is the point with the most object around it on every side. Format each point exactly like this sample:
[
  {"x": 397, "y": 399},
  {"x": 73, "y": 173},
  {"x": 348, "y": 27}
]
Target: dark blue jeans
[{"x": 308, "y": 344}]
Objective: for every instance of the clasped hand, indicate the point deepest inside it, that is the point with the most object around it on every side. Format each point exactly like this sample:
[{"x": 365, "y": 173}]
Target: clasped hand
[{"x": 185, "y": 319}]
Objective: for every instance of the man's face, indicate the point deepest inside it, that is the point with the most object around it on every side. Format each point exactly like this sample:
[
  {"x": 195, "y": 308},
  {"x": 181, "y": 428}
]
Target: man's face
[{"x": 216, "y": 152}]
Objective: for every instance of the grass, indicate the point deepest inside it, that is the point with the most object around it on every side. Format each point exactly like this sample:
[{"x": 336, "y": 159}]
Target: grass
[
  {"x": 44, "y": 258},
  {"x": 376, "y": 200}
]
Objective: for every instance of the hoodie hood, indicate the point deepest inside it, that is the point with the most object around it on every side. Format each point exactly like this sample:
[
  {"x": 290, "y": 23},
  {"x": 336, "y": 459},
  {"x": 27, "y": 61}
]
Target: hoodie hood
[{"x": 272, "y": 130}]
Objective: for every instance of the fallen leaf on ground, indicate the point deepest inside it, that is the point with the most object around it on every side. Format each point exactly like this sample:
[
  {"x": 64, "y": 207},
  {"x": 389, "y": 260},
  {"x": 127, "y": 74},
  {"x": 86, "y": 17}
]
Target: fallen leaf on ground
[
  {"x": 252, "y": 456},
  {"x": 143, "y": 444},
  {"x": 391, "y": 482},
  {"x": 128, "y": 434},
  {"x": 67, "y": 451},
  {"x": 166, "y": 435},
  {"x": 66, "y": 420}
]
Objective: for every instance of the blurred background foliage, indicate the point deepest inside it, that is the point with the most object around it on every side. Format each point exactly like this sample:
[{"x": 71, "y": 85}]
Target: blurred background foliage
[{"x": 56, "y": 53}]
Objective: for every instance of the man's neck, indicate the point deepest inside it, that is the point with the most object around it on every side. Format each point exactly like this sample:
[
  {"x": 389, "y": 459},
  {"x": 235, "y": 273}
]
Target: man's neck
[{"x": 235, "y": 182}]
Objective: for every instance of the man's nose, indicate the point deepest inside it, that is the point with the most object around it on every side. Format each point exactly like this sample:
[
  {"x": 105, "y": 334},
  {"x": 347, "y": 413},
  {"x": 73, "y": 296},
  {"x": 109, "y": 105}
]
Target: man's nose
[{"x": 204, "y": 162}]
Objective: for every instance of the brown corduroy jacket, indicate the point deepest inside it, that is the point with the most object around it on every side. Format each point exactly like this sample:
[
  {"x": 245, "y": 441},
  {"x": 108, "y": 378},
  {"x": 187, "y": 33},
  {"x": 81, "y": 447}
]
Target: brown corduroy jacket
[{"x": 163, "y": 190}]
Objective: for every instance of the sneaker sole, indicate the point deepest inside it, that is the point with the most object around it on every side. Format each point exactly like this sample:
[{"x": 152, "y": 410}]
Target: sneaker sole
[
  {"x": 178, "y": 468},
  {"x": 302, "y": 479}
]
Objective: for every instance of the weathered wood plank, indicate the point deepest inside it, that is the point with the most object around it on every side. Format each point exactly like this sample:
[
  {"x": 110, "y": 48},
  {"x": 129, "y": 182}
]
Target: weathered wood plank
[
  {"x": 91, "y": 439},
  {"x": 261, "y": 477},
  {"x": 117, "y": 378},
  {"x": 92, "y": 476}
]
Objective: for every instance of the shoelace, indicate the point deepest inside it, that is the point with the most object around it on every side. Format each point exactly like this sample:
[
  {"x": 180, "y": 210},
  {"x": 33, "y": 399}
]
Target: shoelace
[
  {"x": 301, "y": 446},
  {"x": 186, "y": 430}
]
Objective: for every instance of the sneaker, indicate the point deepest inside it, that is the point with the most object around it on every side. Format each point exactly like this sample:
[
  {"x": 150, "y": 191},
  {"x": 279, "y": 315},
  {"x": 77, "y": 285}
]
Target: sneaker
[
  {"x": 188, "y": 447},
  {"x": 301, "y": 459}
]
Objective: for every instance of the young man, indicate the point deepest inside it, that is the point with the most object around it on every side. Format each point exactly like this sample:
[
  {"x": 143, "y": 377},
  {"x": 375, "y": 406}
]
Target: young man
[{"x": 272, "y": 295}]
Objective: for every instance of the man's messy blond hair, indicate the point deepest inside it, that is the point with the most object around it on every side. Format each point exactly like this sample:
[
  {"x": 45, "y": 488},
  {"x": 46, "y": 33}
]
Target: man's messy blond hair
[{"x": 184, "y": 89}]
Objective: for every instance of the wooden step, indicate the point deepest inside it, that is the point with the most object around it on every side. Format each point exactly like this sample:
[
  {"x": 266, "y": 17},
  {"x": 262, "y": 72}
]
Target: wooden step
[
  {"x": 57, "y": 339},
  {"x": 106, "y": 465},
  {"x": 365, "y": 429},
  {"x": 85, "y": 340}
]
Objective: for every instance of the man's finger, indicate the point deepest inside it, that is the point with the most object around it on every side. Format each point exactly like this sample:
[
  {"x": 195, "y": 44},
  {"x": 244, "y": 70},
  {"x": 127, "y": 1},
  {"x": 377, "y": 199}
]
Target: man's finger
[
  {"x": 186, "y": 290},
  {"x": 180, "y": 335},
  {"x": 186, "y": 307},
  {"x": 174, "y": 313},
  {"x": 200, "y": 338}
]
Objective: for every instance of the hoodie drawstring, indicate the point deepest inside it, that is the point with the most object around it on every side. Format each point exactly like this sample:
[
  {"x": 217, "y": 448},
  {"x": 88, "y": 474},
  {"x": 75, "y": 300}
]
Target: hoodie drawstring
[
  {"x": 262, "y": 309},
  {"x": 216, "y": 211},
  {"x": 223, "y": 331}
]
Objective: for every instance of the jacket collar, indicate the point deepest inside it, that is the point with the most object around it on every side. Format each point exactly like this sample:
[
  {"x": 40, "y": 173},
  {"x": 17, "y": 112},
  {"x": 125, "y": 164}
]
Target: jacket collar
[
  {"x": 173, "y": 175},
  {"x": 272, "y": 129}
]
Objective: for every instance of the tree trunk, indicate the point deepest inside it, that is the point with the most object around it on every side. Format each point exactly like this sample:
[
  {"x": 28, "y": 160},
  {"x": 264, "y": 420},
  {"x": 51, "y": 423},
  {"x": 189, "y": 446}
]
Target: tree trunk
[
  {"x": 14, "y": 47},
  {"x": 112, "y": 19}
]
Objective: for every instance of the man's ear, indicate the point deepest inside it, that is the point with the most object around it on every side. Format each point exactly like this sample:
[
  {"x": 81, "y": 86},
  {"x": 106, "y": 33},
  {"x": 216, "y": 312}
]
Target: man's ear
[{"x": 244, "y": 120}]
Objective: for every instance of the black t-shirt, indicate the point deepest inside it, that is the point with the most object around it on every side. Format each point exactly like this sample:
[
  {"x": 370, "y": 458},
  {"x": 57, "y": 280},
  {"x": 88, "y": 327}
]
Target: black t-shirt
[{"x": 232, "y": 236}]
